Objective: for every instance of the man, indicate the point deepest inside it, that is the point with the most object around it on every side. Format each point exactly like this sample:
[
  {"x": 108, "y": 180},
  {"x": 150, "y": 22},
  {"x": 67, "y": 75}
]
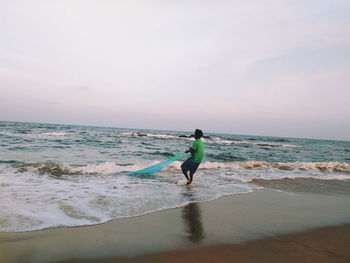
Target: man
[{"x": 192, "y": 163}]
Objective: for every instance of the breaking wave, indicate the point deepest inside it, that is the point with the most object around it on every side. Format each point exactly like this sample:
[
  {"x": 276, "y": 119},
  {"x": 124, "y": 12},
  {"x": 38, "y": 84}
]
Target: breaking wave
[
  {"x": 59, "y": 169},
  {"x": 56, "y": 134},
  {"x": 303, "y": 166},
  {"x": 275, "y": 166},
  {"x": 156, "y": 136},
  {"x": 113, "y": 168},
  {"x": 209, "y": 139}
]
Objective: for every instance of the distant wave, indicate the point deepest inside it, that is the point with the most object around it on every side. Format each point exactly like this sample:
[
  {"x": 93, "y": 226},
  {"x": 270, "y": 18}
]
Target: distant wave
[
  {"x": 164, "y": 154},
  {"x": 55, "y": 133},
  {"x": 157, "y": 136},
  {"x": 267, "y": 144},
  {"x": 209, "y": 139},
  {"x": 33, "y": 134}
]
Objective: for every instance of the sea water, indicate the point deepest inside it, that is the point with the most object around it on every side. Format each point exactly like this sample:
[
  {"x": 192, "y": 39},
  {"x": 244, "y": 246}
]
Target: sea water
[{"x": 65, "y": 175}]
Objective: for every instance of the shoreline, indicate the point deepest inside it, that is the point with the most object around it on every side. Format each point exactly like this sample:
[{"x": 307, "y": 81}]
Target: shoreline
[
  {"x": 322, "y": 245},
  {"x": 219, "y": 226}
]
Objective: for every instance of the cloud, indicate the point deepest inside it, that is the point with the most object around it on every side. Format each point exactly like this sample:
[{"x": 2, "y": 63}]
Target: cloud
[
  {"x": 242, "y": 61},
  {"x": 83, "y": 88}
]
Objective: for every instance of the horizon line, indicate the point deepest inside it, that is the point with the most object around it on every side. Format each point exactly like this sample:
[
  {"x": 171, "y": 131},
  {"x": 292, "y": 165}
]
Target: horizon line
[{"x": 157, "y": 129}]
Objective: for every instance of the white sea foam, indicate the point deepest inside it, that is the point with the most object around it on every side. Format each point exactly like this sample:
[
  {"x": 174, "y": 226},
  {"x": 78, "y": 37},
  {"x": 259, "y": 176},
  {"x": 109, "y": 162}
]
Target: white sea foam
[
  {"x": 31, "y": 201},
  {"x": 267, "y": 144},
  {"x": 94, "y": 194},
  {"x": 336, "y": 177},
  {"x": 303, "y": 166},
  {"x": 59, "y": 134},
  {"x": 210, "y": 140},
  {"x": 103, "y": 168},
  {"x": 107, "y": 168},
  {"x": 151, "y": 135},
  {"x": 35, "y": 134},
  {"x": 248, "y": 171}
]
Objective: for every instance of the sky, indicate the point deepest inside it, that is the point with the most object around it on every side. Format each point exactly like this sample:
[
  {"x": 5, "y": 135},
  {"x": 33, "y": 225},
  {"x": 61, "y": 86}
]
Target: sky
[{"x": 257, "y": 67}]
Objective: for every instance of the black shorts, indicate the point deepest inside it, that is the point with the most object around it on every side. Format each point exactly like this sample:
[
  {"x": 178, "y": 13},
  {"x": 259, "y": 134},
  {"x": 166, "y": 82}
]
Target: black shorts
[{"x": 189, "y": 165}]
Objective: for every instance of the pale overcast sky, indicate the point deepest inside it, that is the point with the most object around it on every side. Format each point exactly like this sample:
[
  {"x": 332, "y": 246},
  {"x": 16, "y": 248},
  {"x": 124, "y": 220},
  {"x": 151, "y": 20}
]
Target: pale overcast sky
[{"x": 258, "y": 67}]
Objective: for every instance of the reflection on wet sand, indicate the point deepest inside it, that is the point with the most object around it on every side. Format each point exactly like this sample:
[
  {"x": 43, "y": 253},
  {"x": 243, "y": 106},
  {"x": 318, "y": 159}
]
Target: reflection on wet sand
[{"x": 191, "y": 214}]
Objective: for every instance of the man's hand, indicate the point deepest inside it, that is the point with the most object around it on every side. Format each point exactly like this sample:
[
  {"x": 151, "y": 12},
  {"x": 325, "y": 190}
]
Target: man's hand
[{"x": 191, "y": 151}]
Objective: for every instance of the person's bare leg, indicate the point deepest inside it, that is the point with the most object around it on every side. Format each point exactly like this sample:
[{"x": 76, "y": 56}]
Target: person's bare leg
[
  {"x": 190, "y": 179},
  {"x": 185, "y": 173}
]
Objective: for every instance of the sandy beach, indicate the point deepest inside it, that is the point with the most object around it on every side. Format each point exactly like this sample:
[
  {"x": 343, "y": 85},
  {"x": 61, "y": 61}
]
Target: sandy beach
[
  {"x": 329, "y": 244},
  {"x": 262, "y": 226}
]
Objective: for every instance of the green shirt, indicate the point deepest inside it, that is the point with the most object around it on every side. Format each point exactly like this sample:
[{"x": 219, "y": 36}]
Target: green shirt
[{"x": 198, "y": 146}]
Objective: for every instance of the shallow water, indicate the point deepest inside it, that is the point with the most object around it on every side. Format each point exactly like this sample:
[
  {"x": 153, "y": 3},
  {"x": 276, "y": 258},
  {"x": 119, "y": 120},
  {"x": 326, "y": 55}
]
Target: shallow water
[{"x": 64, "y": 175}]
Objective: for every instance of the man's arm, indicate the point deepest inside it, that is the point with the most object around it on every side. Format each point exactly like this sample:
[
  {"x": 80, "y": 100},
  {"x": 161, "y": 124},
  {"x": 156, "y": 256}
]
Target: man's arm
[{"x": 191, "y": 150}]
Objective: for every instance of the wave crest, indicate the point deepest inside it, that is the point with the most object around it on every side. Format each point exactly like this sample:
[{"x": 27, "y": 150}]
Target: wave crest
[
  {"x": 304, "y": 166},
  {"x": 208, "y": 139},
  {"x": 59, "y": 169},
  {"x": 301, "y": 166},
  {"x": 112, "y": 168}
]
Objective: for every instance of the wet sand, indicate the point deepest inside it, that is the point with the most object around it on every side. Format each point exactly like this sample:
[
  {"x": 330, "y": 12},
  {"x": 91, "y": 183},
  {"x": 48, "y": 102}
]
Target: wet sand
[
  {"x": 254, "y": 227},
  {"x": 323, "y": 245}
]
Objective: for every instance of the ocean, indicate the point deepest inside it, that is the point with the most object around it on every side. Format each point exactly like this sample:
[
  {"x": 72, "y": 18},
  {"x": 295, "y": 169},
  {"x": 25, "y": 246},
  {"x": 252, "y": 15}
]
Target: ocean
[{"x": 66, "y": 175}]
